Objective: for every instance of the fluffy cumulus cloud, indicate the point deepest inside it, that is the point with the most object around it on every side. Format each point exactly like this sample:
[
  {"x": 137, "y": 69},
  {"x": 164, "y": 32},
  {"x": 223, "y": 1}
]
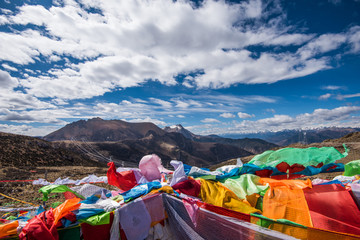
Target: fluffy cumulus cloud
[
  {"x": 6, "y": 81},
  {"x": 54, "y": 58},
  {"x": 124, "y": 44}
]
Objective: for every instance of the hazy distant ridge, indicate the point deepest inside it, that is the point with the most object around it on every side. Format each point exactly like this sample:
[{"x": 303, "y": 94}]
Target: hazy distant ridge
[{"x": 287, "y": 137}]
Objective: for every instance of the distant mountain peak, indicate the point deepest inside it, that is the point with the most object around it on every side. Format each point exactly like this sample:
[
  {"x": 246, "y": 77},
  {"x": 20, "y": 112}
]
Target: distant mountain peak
[
  {"x": 179, "y": 129},
  {"x": 126, "y": 140},
  {"x": 99, "y": 130}
]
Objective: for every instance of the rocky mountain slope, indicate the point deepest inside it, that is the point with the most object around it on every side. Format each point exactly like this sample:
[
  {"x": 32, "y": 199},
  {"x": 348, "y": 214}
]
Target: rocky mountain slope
[
  {"x": 99, "y": 130},
  {"x": 18, "y": 150},
  {"x": 168, "y": 147},
  {"x": 252, "y": 145},
  {"x": 126, "y": 143},
  {"x": 180, "y": 129}
]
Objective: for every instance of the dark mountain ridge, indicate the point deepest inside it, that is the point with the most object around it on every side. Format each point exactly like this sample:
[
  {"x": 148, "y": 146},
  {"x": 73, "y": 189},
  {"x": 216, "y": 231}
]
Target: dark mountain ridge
[
  {"x": 94, "y": 142},
  {"x": 252, "y": 145},
  {"x": 168, "y": 147},
  {"x": 19, "y": 150},
  {"x": 99, "y": 130},
  {"x": 128, "y": 142}
]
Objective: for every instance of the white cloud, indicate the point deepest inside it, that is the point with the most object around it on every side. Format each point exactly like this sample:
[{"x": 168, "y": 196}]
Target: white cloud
[
  {"x": 245, "y": 115},
  {"x": 47, "y": 116},
  {"x": 341, "y": 97},
  {"x": 322, "y": 44},
  {"x": 231, "y": 99},
  {"x": 210, "y": 120},
  {"x": 318, "y": 118},
  {"x": 332, "y": 87},
  {"x": 290, "y": 39},
  {"x": 3, "y": 20},
  {"x": 227, "y": 115},
  {"x": 7, "y": 67},
  {"x": 154, "y": 107},
  {"x": 325, "y": 96},
  {"x": 6, "y": 81},
  {"x": 15, "y": 117},
  {"x": 58, "y": 101},
  {"x": 131, "y": 42},
  {"x": 346, "y": 116},
  {"x": 181, "y": 104},
  {"x": 229, "y": 68},
  {"x": 253, "y": 9},
  {"x": 54, "y": 58},
  {"x": 27, "y": 130},
  {"x": 161, "y": 102},
  {"x": 275, "y": 121},
  {"x": 20, "y": 101},
  {"x": 149, "y": 119},
  {"x": 325, "y": 115},
  {"x": 354, "y": 39}
]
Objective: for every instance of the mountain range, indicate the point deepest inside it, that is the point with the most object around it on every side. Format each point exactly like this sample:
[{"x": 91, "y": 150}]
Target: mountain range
[
  {"x": 287, "y": 137},
  {"x": 95, "y": 142},
  {"x": 128, "y": 142}
]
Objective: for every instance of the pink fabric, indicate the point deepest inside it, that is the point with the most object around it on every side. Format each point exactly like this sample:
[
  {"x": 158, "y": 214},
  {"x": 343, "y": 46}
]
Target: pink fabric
[
  {"x": 115, "y": 193},
  {"x": 155, "y": 207},
  {"x": 135, "y": 220},
  {"x": 318, "y": 181},
  {"x": 192, "y": 208},
  {"x": 150, "y": 166}
]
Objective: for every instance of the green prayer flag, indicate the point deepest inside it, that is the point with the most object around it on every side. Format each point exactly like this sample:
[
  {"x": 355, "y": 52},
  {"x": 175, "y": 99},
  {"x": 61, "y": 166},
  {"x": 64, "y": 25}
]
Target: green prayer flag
[
  {"x": 208, "y": 177},
  {"x": 55, "y": 204},
  {"x": 266, "y": 222},
  {"x": 117, "y": 198},
  {"x": 245, "y": 185},
  {"x": 304, "y": 156},
  {"x": 352, "y": 168},
  {"x": 46, "y": 190},
  {"x": 99, "y": 219}
]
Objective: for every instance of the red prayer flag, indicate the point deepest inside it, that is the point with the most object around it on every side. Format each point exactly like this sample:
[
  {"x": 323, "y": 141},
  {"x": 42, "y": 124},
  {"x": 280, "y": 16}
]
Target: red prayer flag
[{"x": 124, "y": 180}]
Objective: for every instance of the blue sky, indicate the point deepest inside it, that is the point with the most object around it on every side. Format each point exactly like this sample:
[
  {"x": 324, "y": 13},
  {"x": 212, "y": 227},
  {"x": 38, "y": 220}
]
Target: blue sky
[{"x": 216, "y": 67}]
